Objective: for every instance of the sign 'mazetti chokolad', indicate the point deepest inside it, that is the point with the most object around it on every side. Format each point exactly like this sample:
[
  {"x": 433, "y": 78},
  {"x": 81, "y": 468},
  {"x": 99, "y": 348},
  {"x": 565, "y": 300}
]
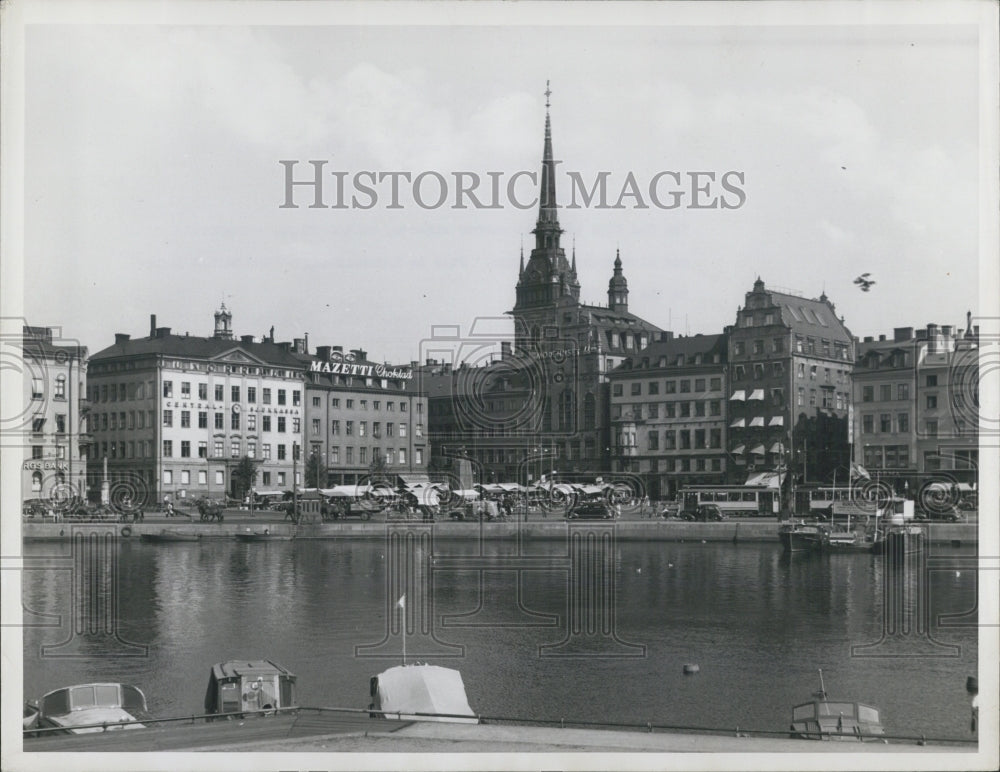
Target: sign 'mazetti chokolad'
[{"x": 344, "y": 364}]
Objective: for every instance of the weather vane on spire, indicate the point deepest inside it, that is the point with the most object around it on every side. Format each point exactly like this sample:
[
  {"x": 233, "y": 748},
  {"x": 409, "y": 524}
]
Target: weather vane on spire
[{"x": 548, "y": 93}]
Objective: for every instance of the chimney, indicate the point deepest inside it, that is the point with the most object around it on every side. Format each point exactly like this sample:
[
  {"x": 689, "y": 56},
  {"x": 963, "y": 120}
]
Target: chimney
[
  {"x": 881, "y": 338},
  {"x": 932, "y": 338},
  {"x": 152, "y": 325},
  {"x": 299, "y": 345},
  {"x": 246, "y": 338},
  {"x": 946, "y": 330},
  {"x": 270, "y": 336},
  {"x": 921, "y": 334},
  {"x": 285, "y": 345},
  {"x": 869, "y": 339},
  {"x": 305, "y": 344},
  {"x": 666, "y": 335},
  {"x": 338, "y": 349},
  {"x": 360, "y": 354},
  {"x": 505, "y": 352},
  {"x": 902, "y": 333},
  {"x": 121, "y": 337},
  {"x": 162, "y": 332},
  {"x": 414, "y": 364},
  {"x": 323, "y": 352}
]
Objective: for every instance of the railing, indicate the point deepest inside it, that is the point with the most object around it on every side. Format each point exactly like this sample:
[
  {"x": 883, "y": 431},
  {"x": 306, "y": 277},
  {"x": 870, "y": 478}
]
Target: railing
[{"x": 562, "y": 723}]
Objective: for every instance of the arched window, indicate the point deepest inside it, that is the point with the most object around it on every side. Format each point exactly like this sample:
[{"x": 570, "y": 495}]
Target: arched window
[
  {"x": 36, "y": 482},
  {"x": 566, "y": 422},
  {"x": 60, "y": 387},
  {"x": 589, "y": 411}
]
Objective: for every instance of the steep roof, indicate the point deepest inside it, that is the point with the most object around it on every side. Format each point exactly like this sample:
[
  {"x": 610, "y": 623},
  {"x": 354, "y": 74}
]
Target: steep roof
[
  {"x": 671, "y": 348},
  {"x": 196, "y": 347}
]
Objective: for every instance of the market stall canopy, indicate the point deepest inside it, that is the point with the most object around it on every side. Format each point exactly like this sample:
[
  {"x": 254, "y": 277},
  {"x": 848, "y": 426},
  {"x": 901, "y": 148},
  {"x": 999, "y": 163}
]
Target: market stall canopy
[{"x": 765, "y": 480}]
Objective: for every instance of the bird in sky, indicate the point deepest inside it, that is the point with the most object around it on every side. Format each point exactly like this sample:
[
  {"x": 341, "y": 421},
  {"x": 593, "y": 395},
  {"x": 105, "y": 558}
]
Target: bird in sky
[{"x": 864, "y": 282}]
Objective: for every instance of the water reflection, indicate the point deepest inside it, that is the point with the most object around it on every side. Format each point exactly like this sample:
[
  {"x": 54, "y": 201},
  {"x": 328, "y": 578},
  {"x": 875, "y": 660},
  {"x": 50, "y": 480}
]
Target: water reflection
[{"x": 757, "y": 623}]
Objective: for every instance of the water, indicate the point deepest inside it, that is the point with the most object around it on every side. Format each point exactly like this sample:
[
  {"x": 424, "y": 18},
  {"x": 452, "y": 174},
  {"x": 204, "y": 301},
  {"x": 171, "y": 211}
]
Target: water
[{"x": 757, "y": 623}]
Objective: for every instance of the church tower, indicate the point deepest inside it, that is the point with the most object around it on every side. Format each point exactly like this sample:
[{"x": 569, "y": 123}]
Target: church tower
[
  {"x": 548, "y": 279},
  {"x": 223, "y": 324},
  {"x": 618, "y": 287}
]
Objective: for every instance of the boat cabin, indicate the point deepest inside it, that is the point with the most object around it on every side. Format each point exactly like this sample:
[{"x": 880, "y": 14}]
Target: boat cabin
[
  {"x": 78, "y": 706},
  {"x": 421, "y": 692},
  {"x": 249, "y": 686},
  {"x": 824, "y": 720}
]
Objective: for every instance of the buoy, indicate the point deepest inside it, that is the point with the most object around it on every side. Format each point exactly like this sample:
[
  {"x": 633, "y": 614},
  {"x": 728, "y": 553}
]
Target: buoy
[{"x": 691, "y": 669}]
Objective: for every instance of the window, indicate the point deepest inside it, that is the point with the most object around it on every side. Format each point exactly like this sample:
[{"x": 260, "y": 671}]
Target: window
[
  {"x": 364, "y": 404},
  {"x": 932, "y": 380},
  {"x": 699, "y": 408},
  {"x": 168, "y": 477},
  {"x": 185, "y": 390},
  {"x": 335, "y": 402},
  {"x": 867, "y": 393},
  {"x": 219, "y": 395},
  {"x": 234, "y": 447},
  {"x": 685, "y": 408},
  {"x": 685, "y": 436},
  {"x": 699, "y": 385},
  {"x": 202, "y": 450},
  {"x": 402, "y": 431},
  {"x": 653, "y": 410},
  {"x": 715, "y": 407},
  {"x": 349, "y": 428},
  {"x": 315, "y": 426},
  {"x": 335, "y": 454},
  {"x": 234, "y": 421},
  {"x": 168, "y": 389},
  {"x": 654, "y": 440},
  {"x": 685, "y": 386},
  {"x": 265, "y": 396},
  {"x": 738, "y": 348},
  {"x": 362, "y": 455},
  {"x": 185, "y": 449},
  {"x": 402, "y": 407},
  {"x": 715, "y": 384},
  {"x": 217, "y": 449},
  {"x": 758, "y": 347},
  {"x": 281, "y": 396},
  {"x": 402, "y": 456},
  {"x": 885, "y": 423},
  {"x": 316, "y": 402},
  {"x": 903, "y": 391},
  {"x": 335, "y": 427},
  {"x": 38, "y": 424},
  {"x": 931, "y": 401},
  {"x": 390, "y": 406},
  {"x": 235, "y": 393},
  {"x": 389, "y": 429},
  {"x": 885, "y": 392},
  {"x": 281, "y": 451},
  {"x": 699, "y": 438},
  {"x": 168, "y": 417},
  {"x": 185, "y": 419},
  {"x": 281, "y": 479},
  {"x": 36, "y": 451},
  {"x": 281, "y": 423},
  {"x": 777, "y": 345},
  {"x": 931, "y": 428},
  {"x": 252, "y": 448},
  {"x": 740, "y": 372},
  {"x": 349, "y": 455},
  {"x": 202, "y": 391},
  {"x": 636, "y": 389},
  {"x": 653, "y": 387},
  {"x": 418, "y": 430},
  {"x": 418, "y": 456},
  {"x": 902, "y": 422},
  {"x": 296, "y": 398},
  {"x": 265, "y": 423},
  {"x": 202, "y": 419},
  {"x": 36, "y": 393},
  {"x": 670, "y": 387},
  {"x": 168, "y": 448},
  {"x": 376, "y": 404},
  {"x": 251, "y": 422},
  {"x": 219, "y": 418},
  {"x": 350, "y": 404},
  {"x": 60, "y": 391},
  {"x": 715, "y": 438},
  {"x": 376, "y": 429},
  {"x": 296, "y": 425},
  {"x": 252, "y": 394}
]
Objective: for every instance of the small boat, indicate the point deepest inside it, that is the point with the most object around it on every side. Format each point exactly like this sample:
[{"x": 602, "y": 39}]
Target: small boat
[
  {"x": 421, "y": 692},
  {"x": 845, "y": 540},
  {"x": 823, "y": 719},
  {"x": 169, "y": 535},
  {"x": 264, "y": 535},
  {"x": 256, "y": 687},
  {"x": 109, "y": 706},
  {"x": 799, "y": 536}
]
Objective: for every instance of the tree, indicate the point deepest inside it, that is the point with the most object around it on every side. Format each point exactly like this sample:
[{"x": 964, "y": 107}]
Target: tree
[
  {"x": 315, "y": 476},
  {"x": 244, "y": 475}
]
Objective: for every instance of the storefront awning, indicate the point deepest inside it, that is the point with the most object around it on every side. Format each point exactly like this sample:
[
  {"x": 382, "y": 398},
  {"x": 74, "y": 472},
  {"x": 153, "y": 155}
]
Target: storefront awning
[
  {"x": 757, "y": 394},
  {"x": 757, "y": 450},
  {"x": 738, "y": 450},
  {"x": 776, "y": 448},
  {"x": 737, "y": 423},
  {"x": 776, "y": 420},
  {"x": 738, "y": 396},
  {"x": 757, "y": 421}
]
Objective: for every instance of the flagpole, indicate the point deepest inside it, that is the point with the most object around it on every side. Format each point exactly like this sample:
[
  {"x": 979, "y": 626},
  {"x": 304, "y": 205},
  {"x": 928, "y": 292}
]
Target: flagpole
[{"x": 401, "y": 603}]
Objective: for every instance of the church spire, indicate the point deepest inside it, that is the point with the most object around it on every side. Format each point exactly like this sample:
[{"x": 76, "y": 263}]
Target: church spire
[
  {"x": 618, "y": 286},
  {"x": 547, "y": 229},
  {"x": 573, "y": 266},
  {"x": 520, "y": 274}
]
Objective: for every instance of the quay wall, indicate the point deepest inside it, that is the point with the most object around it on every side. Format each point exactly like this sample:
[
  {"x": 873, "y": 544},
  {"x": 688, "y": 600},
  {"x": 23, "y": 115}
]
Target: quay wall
[{"x": 956, "y": 534}]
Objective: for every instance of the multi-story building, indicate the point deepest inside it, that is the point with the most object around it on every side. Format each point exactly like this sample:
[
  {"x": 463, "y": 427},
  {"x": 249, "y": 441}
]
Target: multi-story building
[
  {"x": 562, "y": 352},
  {"x": 668, "y": 410},
  {"x": 55, "y": 425},
  {"x": 916, "y": 405},
  {"x": 790, "y": 362},
  {"x": 174, "y": 415},
  {"x": 362, "y": 415}
]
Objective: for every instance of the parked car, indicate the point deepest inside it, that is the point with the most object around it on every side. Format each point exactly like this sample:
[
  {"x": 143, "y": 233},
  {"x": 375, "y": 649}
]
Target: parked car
[
  {"x": 591, "y": 509},
  {"x": 705, "y": 513}
]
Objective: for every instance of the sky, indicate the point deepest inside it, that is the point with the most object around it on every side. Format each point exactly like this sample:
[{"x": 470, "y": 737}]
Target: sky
[{"x": 153, "y": 181}]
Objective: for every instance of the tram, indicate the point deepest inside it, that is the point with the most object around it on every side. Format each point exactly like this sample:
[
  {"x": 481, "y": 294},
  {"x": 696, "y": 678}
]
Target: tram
[{"x": 733, "y": 500}]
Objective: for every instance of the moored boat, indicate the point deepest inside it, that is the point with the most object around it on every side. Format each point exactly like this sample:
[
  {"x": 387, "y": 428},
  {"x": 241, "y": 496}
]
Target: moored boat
[
  {"x": 256, "y": 687},
  {"x": 93, "y": 708},
  {"x": 421, "y": 692},
  {"x": 824, "y": 719},
  {"x": 264, "y": 535},
  {"x": 799, "y": 536},
  {"x": 845, "y": 540},
  {"x": 169, "y": 535}
]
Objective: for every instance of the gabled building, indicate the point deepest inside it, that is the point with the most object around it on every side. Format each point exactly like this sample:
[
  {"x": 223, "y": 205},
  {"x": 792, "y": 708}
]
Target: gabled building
[
  {"x": 790, "y": 363},
  {"x": 175, "y": 414}
]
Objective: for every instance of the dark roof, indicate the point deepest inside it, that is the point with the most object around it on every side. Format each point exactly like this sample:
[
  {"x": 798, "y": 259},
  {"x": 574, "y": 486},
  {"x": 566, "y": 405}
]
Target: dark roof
[
  {"x": 37, "y": 343},
  {"x": 672, "y": 348},
  {"x": 200, "y": 348}
]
